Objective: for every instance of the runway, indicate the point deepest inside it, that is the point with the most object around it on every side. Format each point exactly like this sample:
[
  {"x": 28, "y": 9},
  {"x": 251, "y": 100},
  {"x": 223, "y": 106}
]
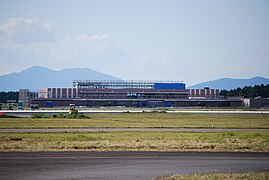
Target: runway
[
  {"x": 124, "y": 165},
  {"x": 29, "y": 113}
]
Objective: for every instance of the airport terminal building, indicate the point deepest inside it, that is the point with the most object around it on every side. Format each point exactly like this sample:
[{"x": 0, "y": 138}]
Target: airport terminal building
[{"x": 133, "y": 93}]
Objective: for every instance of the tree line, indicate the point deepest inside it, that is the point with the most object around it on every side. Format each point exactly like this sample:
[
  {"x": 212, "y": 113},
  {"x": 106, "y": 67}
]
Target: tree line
[
  {"x": 247, "y": 91},
  {"x": 4, "y": 96}
]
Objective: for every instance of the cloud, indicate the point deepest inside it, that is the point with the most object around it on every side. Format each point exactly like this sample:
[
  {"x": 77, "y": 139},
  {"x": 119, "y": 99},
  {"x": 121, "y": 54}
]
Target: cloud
[
  {"x": 102, "y": 37},
  {"x": 28, "y": 41},
  {"x": 26, "y": 30},
  {"x": 96, "y": 51}
]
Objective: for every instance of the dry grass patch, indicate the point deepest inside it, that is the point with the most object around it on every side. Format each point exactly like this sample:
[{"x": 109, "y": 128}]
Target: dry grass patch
[
  {"x": 136, "y": 141},
  {"x": 219, "y": 176},
  {"x": 144, "y": 120}
]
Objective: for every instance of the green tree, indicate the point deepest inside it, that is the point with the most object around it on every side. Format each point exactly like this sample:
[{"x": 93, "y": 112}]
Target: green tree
[
  {"x": 4, "y": 96},
  {"x": 247, "y": 91}
]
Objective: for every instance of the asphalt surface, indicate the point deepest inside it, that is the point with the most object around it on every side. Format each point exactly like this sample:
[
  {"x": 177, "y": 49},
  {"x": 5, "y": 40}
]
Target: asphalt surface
[
  {"x": 132, "y": 129},
  {"x": 124, "y": 165}
]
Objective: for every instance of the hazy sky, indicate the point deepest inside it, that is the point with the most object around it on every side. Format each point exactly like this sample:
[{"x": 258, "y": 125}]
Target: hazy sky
[{"x": 191, "y": 40}]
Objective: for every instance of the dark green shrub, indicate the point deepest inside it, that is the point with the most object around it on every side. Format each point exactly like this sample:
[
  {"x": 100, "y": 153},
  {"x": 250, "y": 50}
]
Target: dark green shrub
[{"x": 39, "y": 115}]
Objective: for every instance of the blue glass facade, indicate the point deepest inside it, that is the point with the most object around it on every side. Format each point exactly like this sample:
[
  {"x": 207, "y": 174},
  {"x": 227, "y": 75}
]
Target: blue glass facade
[{"x": 169, "y": 86}]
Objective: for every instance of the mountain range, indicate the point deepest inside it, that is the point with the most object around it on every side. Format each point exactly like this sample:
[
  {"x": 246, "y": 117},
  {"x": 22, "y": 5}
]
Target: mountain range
[
  {"x": 37, "y": 77},
  {"x": 228, "y": 83}
]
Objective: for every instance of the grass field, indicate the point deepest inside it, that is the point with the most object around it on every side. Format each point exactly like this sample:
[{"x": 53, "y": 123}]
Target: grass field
[
  {"x": 136, "y": 141},
  {"x": 144, "y": 120},
  {"x": 243, "y": 176}
]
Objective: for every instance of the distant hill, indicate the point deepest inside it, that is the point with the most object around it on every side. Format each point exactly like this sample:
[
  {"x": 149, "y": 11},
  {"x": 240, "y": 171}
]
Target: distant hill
[
  {"x": 37, "y": 77},
  {"x": 228, "y": 83}
]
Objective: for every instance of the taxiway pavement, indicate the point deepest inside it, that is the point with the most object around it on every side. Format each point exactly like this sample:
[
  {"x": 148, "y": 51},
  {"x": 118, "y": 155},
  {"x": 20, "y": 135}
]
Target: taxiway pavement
[
  {"x": 29, "y": 113},
  {"x": 124, "y": 165}
]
